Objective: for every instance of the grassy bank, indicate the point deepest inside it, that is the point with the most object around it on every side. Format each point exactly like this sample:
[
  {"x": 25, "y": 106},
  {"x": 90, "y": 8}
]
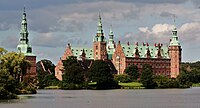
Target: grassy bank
[
  {"x": 131, "y": 85},
  {"x": 196, "y": 85},
  {"x": 52, "y": 87}
]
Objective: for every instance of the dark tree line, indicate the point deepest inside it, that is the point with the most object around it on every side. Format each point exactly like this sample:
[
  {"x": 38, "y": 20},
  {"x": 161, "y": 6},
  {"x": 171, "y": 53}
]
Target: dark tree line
[
  {"x": 75, "y": 76},
  {"x": 46, "y": 74}
]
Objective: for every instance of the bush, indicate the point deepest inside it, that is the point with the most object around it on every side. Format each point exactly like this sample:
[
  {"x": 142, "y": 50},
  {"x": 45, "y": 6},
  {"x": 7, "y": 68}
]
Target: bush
[
  {"x": 147, "y": 77},
  {"x": 71, "y": 86},
  {"x": 4, "y": 94},
  {"x": 123, "y": 78},
  {"x": 100, "y": 72}
]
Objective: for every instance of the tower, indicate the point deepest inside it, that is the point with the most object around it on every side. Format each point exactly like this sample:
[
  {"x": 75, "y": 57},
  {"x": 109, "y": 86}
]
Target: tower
[
  {"x": 111, "y": 44},
  {"x": 99, "y": 43},
  {"x": 175, "y": 54},
  {"x": 25, "y": 48}
]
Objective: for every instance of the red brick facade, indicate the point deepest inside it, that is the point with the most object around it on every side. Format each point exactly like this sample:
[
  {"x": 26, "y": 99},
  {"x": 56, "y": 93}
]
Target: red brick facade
[
  {"x": 99, "y": 51},
  {"x": 161, "y": 66},
  {"x": 32, "y": 72},
  {"x": 59, "y": 66},
  {"x": 175, "y": 55}
]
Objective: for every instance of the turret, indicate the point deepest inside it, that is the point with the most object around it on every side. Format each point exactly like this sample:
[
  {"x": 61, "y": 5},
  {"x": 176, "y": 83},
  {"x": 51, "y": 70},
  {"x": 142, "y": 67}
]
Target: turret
[
  {"x": 24, "y": 32},
  {"x": 24, "y": 46},
  {"x": 111, "y": 44},
  {"x": 175, "y": 54},
  {"x": 99, "y": 43}
]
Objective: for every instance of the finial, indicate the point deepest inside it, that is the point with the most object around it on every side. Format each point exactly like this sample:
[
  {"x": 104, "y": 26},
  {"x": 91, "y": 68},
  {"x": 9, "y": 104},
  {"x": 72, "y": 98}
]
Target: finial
[
  {"x": 24, "y": 8},
  {"x": 174, "y": 18},
  {"x": 99, "y": 12},
  {"x": 111, "y": 32}
]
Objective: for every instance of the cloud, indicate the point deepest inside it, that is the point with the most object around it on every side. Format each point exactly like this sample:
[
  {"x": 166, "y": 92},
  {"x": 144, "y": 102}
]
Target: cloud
[
  {"x": 73, "y": 16},
  {"x": 167, "y": 14},
  {"x": 5, "y": 26},
  {"x": 54, "y": 40},
  {"x": 161, "y": 28},
  {"x": 189, "y": 32},
  {"x": 48, "y": 40},
  {"x": 10, "y": 42}
]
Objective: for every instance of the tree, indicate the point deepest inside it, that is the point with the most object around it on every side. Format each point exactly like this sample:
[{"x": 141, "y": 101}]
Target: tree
[
  {"x": 16, "y": 64},
  {"x": 194, "y": 75},
  {"x": 100, "y": 72},
  {"x": 184, "y": 80},
  {"x": 122, "y": 78},
  {"x": 46, "y": 73},
  {"x": 161, "y": 81},
  {"x": 147, "y": 76},
  {"x": 132, "y": 70},
  {"x": 73, "y": 73},
  {"x": 2, "y": 51}
]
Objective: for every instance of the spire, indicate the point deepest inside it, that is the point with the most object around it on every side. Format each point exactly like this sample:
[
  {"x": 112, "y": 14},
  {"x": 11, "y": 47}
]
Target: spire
[
  {"x": 99, "y": 27},
  {"x": 24, "y": 46},
  {"x": 174, "y": 40},
  {"x": 111, "y": 32},
  {"x": 111, "y": 35},
  {"x": 99, "y": 35},
  {"x": 24, "y": 32}
]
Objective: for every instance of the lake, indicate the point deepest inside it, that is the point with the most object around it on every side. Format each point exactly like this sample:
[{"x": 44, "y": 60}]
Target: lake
[{"x": 137, "y": 98}]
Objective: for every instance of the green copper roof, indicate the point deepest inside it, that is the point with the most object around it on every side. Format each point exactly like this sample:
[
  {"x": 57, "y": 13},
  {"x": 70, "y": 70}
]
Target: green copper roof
[
  {"x": 78, "y": 51},
  {"x": 129, "y": 50},
  {"x": 24, "y": 46},
  {"x": 99, "y": 27},
  {"x": 99, "y": 35},
  {"x": 174, "y": 40},
  {"x": 110, "y": 45}
]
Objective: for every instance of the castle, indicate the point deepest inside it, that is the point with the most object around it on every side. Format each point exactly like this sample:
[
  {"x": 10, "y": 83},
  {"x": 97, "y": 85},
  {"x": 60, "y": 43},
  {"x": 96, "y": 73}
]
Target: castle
[
  {"x": 25, "y": 48},
  {"x": 165, "y": 60}
]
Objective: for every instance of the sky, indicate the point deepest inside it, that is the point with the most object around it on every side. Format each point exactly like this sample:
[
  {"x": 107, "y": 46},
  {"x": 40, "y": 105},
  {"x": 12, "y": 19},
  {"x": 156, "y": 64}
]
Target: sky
[{"x": 52, "y": 24}]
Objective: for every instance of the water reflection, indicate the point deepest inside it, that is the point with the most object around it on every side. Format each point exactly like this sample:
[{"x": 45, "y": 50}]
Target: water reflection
[{"x": 153, "y": 98}]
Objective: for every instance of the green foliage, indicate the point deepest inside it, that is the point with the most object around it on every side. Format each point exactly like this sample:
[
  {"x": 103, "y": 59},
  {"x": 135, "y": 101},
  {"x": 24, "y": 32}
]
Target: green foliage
[
  {"x": 73, "y": 76},
  {"x": 2, "y": 51},
  {"x": 48, "y": 66},
  {"x": 131, "y": 84},
  {"x": 13, "y": 67},
  {"x": 184, "y": 80},
  {"x": 16, "y": 64},
  {"x": 132, "y": 70},
  {"x": 100, "y": 72},
  {"x": 123, "y": 78},
  {"x": 194, "y": 76},
  {"x": 195, "y": 65},
  {"x": 147, "y": 77},
  {"x": 190, "y": 73},
  {"x": 4, "y": 94},
  {"x": 46, "y": 74},
  {"x": 165, "y": 82},
  {"x": 161, "y": 81}
]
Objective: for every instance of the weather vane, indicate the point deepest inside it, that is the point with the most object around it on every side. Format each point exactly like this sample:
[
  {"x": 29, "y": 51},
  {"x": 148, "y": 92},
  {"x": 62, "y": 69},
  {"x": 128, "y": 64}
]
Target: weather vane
[
  {"x": 174, "y": 16},
  {"x": 24, "y": 7}
]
